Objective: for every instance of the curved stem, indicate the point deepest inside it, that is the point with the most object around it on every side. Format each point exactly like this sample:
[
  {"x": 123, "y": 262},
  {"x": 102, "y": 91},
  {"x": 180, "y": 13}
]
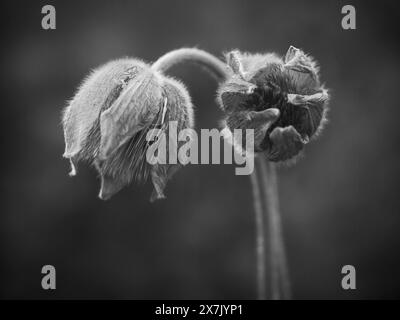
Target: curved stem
[
  {"x": 264, "y": 185},
  {"x": 193, "y": 55}
]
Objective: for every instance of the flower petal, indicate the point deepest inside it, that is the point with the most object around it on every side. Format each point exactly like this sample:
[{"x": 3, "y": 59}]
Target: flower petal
[
  {"x": 313, "y": 109},
  {"x": 302, "y": 69},
  {"x": 180, "y": 109},
  {"x": 285, "y": 144},
  {"x": 109, "y": 187},
  {"x": 135, "y": 108},
  {"x": 96, "y": 93}
]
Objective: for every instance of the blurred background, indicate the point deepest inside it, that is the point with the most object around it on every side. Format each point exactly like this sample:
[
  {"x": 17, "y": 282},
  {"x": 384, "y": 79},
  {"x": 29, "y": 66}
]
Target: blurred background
[{"x": 340, "y": 203}]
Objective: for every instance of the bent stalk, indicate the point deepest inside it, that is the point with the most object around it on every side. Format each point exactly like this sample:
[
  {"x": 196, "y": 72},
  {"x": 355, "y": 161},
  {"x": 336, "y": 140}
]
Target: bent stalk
[{"x": 264, "y": 186}]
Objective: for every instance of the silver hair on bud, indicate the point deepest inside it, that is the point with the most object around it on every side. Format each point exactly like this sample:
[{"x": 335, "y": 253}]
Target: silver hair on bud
[
  {"x": 122, "y": 108},
  {"x": 106, "y": 123}
]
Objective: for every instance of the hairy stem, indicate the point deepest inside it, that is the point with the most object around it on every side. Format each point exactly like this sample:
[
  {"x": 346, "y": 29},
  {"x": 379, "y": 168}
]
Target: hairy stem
[
  {"x": 193, "y": 55},
  {"x": 260, "y": 238},
  {"x": 264, "y": 185},
  {"x": 280, "y": 282}
]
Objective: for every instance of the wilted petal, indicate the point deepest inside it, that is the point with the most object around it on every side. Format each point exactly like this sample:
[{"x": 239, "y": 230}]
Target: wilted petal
[
  {"x": 109, "y": 187},
  {"x": 285, "y": 144},
  {"x": 135, "y": 108},
  {"x": 159, "y": 178},
  {"x": 302, "y": 69},
  {"x": 107, "y": 122},
  {"x": 180, "y": 109},
  {"x": 233, "y": 61},
  {"x": 296, "y": 58},
  {"x": 291, "y": 53},
  {"x": 312, "y": 109},
  {"x": 73, "y": 165},
  {"x": 95, "y": 94}
]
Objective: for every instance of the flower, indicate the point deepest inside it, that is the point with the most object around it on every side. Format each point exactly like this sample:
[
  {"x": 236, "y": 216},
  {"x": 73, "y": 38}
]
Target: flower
[
  {"x": 282, "y": 99},
  {"x": 107, "y": 121}
]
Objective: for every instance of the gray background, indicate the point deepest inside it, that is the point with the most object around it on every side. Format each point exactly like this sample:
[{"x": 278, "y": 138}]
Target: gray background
[{"x": 340, "y": 203}]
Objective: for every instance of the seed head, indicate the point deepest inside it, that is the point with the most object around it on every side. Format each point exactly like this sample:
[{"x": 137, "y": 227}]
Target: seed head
[
  {"x": 107, "y": 122},
  {"x": 280, "y": 98}
]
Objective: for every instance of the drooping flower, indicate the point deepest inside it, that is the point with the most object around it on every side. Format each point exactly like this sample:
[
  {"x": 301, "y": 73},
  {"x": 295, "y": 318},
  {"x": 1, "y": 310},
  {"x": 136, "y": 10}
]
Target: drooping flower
[
  {"x": 282, "y": 99},
  {"x": 107, "y": 121}
]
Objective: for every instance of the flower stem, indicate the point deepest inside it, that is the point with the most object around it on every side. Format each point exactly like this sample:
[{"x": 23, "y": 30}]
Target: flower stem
[
  {"x": 214, "y": 65},
  {"x": 260, "y": 238},
  {"x": 265, "y": 190},
  {"x": 279, "y": 275}
]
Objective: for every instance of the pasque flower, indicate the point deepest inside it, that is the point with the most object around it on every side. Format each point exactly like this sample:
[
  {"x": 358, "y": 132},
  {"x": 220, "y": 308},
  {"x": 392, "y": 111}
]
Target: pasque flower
[
  {"x": 107, "y": 121},
  {"x": 117, "y": 107},
  {"x": 282, "y": 99}
]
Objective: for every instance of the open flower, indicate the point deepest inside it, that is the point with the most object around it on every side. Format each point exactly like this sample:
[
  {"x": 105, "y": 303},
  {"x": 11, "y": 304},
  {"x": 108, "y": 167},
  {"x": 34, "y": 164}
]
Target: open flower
[
  {"x": 107, "y": 122},
  {"x": 281, "y": 99}
]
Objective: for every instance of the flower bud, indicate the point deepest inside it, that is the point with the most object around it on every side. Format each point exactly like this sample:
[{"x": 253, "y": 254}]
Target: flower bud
[
  {"x": 107, "y": 122},
  {"x": 281, "y": 99}
]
